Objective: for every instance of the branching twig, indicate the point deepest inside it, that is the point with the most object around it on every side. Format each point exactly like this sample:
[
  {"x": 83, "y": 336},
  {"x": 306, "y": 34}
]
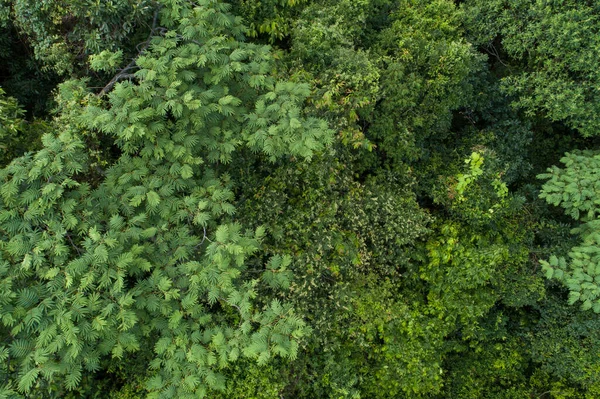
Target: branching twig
[
  {"x": 238, "y": 309},
  {"x": 205, "y": 237},
  {"x": 114, "y": 81},
  {"x": 73, "y": 244},
  {"x": 491, "y": 49}
]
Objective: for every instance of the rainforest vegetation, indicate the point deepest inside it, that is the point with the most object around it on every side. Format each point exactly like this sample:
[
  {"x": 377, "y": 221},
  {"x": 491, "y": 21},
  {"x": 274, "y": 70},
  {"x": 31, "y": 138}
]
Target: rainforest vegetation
[{"x": 304, "y": 199}]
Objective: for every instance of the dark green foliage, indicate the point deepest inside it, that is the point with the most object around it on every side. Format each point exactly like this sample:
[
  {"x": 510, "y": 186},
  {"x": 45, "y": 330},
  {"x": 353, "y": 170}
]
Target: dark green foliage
[
  {"x": 23, "y": 77},
  {"x": 16, "y": 134},
  {"x": 186, "y": 212},
  {"x": 551, "y": 49},
  {"x": 64, "y": 33},
  {"x": 346, "y": 239},
  {"x": 545, "y": 351},
  {"x": 271, "y": 19},
  {"x": 427, "y": 76}
]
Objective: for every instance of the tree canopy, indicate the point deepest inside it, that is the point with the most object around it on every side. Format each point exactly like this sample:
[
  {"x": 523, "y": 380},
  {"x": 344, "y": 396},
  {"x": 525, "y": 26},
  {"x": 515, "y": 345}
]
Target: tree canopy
[{"x": 299, "y": 199}]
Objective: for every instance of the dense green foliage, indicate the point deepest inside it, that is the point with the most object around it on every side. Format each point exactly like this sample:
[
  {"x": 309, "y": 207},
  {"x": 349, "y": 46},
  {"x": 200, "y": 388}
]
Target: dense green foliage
[{"x": 299, "y": 199}]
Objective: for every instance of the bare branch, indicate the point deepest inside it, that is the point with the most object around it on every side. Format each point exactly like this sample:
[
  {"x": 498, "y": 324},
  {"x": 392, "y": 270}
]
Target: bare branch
[
  {"x": 492, "y": 50},
  {"x": 79, "y": 251},
  {"x": 120, "y": 76},
  {"x": 205, "y": 237}
]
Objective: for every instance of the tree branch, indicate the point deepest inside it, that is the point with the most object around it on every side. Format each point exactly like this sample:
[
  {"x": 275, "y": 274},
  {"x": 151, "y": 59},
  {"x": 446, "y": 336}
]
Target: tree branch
[
  {"x": 205, "y": 237},
  {"x": 115, "y": 80},
  {"x": 123, "y": 72},
  {"x": 73, "y": 244}
]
